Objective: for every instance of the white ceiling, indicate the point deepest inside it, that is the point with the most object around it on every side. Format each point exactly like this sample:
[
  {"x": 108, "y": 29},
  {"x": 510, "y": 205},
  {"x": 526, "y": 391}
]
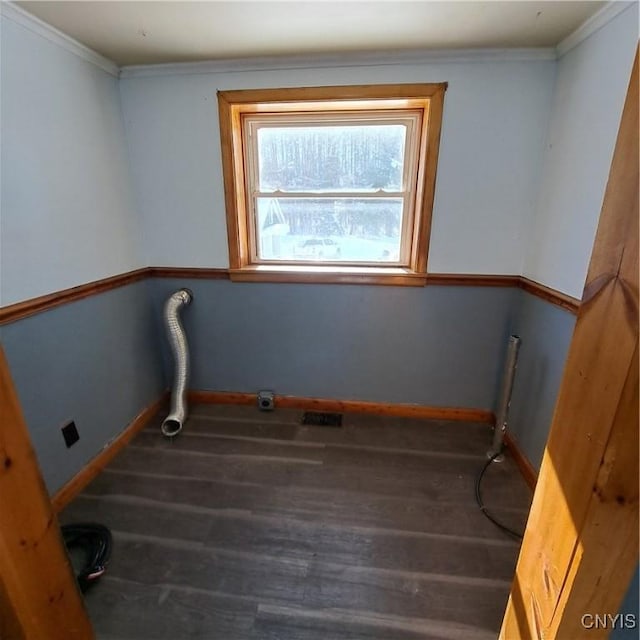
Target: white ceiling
[{"x": 132, "y": 33}]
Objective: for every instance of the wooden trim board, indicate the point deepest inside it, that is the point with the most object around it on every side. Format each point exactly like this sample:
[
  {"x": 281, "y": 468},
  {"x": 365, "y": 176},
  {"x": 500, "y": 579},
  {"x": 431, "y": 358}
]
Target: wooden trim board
[
  {"x": 550, "y": 295},
  {"x": 338, "y": 275},
  {"x": 26, "y": 308},
  {"x": 193, "y": 273},
  {"x": 70, "y": 490},
  {"x": 525, "y": 467},
  {"x": 471, "y": 280},
  {"x": 39, "y": 597},
  {"x": 483, "y": 280},
  {"x": 346, "y": 406},
  {"x": 19, "y": 310}
]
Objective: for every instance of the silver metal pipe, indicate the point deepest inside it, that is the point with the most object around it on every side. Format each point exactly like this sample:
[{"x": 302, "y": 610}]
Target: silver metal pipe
[
  {"x": 502, "y": 414},
  {"x": 172, "y": 424}
]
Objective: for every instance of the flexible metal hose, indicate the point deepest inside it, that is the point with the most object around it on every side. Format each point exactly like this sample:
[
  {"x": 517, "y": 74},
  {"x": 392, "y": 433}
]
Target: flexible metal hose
[
  {"x": 172, "y": 424},
  {"x": 502, "y": 414}
]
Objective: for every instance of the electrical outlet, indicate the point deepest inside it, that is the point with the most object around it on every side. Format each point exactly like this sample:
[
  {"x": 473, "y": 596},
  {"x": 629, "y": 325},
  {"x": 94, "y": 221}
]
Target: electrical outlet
[
  {"x": 266, "y": 401},
  {"x": 70, "y": 434}
]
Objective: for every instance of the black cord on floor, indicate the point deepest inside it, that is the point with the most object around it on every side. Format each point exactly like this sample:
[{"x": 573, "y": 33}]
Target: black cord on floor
[
  {"x": 95, "y": 541},
  {"x": 511, "y": 532}
]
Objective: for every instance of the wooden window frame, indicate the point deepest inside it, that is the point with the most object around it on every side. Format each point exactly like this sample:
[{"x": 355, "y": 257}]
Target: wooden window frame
[{"x": 237, "y": 106}]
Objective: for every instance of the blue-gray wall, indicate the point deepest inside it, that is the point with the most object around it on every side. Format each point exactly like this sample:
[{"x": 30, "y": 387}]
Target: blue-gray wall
[
  {"x": 435, "y": 345},
  {"x": 101, "y": 360},
  {"x": 440, "y": 346},
  {"x": 546, "y": 331},
  {"x": 68, "y": 208},
  {"x": 69, "y": 217},
  {"x": 95, "y": 361}
]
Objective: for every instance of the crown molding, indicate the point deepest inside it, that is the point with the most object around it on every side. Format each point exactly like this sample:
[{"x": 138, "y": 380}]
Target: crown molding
[
  {"x": 35, "y": 25},
  {"x": 350, "y": 59},
  {"x": 319, "y": 61},
  {"x": 592, "y": 24}
]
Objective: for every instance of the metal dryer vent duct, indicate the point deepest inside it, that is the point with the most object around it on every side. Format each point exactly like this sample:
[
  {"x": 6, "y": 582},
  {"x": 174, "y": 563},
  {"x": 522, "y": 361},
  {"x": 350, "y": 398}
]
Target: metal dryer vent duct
[
  {"x": 502, "y": 414},
  {"x": 172, "y": 424}
]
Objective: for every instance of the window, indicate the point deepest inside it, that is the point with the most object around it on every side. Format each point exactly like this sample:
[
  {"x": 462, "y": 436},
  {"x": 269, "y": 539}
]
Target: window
[{"x": 331, "y": 184}]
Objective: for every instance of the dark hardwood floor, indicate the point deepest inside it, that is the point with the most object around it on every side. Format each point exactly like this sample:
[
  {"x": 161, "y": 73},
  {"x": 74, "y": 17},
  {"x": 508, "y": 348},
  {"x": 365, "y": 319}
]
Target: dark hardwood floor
[{"x": 251, "y": 526}]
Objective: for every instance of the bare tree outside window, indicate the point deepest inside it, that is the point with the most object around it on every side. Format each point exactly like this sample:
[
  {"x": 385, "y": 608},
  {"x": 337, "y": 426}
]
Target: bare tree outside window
[{"x": 332, "y": 187}]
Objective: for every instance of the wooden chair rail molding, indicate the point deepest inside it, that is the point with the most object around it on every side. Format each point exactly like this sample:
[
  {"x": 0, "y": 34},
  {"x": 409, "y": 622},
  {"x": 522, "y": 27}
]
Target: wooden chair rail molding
[
  {"x": 549, "y": 294},
  {"x": 26, "y": 308},
  {"x": 19, "y": 310}
]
